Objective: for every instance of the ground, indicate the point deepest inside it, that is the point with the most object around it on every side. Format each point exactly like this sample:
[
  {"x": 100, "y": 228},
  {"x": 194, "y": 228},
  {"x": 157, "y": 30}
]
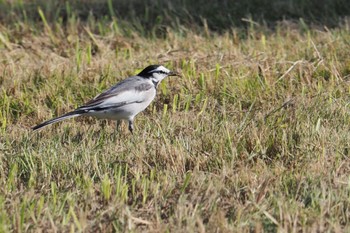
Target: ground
[{"x": 253, "y": 137}]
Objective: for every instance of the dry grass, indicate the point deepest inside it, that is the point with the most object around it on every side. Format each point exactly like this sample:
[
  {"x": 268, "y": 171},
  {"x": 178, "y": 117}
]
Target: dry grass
[{"x": 254, "y": 137}]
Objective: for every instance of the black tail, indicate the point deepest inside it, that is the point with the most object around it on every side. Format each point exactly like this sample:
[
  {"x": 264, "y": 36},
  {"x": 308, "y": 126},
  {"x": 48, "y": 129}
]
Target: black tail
[{"x": 60, "y": 118}]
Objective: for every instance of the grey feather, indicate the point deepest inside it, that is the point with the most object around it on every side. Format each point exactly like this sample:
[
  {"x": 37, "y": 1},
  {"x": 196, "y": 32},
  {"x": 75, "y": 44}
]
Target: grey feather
[
  {"x": 132, "y": 83},
  {"x": 72, "y": 114}
]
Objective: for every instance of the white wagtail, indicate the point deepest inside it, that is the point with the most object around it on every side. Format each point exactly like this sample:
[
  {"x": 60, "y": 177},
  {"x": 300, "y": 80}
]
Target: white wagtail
[{"x": 124, "y": 100}]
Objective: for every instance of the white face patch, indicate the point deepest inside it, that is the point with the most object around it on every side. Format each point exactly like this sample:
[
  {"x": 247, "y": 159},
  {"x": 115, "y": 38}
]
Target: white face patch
[{"x": 160, "y": 73}]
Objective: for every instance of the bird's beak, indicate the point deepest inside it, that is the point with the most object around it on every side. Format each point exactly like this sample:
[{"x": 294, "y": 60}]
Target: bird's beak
[{"x": 174, "y": 73}]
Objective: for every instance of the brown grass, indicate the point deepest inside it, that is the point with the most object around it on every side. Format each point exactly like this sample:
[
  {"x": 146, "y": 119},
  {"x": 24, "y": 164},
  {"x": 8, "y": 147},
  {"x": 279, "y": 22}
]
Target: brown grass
[{"x": 253, "y": 137}]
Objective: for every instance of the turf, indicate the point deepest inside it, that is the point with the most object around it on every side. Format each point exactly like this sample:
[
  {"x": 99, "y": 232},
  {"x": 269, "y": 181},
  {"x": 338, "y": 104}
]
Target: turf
[{"x": 253, "y": 137}]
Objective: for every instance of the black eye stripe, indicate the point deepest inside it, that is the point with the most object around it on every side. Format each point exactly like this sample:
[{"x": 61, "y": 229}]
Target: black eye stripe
[{"x": 159, "y": 72}]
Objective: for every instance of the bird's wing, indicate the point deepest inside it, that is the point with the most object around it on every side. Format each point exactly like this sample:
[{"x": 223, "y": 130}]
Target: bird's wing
[{"x": 128, "y": 91}]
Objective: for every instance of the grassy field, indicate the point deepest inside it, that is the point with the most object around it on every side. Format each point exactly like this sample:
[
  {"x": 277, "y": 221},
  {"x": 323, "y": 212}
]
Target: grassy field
[{"x": 254, "y": 136}]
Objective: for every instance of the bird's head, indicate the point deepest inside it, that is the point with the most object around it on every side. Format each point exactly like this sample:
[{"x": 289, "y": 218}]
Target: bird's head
[{"x": 156, "y": 72}]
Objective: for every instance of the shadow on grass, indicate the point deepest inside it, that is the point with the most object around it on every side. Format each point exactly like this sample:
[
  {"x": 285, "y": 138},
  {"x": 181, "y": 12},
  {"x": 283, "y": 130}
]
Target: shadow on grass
[{"x": 219, "y": 15}]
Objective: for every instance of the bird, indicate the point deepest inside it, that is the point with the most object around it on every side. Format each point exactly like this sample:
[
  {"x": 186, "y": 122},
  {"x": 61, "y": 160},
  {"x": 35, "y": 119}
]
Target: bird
[{"x": 122, "y": 101}]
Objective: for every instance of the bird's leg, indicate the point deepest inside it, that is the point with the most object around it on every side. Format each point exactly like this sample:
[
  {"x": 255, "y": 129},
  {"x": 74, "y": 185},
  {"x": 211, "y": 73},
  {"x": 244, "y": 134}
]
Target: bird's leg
[
  {"x": 117, "y": 126},
  {"x": 131, "y": 126},
  {"x": 118, "y": 122},
  {"x": 103, "y": 126},
  {"x": 101, "y": 129}
]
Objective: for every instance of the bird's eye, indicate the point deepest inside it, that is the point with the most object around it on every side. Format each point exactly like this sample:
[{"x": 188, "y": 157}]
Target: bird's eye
[{"x": 160, "y": 72}]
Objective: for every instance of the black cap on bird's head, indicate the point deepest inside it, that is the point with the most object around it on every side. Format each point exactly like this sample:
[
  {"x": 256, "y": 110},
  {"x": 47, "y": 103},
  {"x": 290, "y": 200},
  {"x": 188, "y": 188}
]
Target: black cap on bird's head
[{"x": 156, "y": 69}]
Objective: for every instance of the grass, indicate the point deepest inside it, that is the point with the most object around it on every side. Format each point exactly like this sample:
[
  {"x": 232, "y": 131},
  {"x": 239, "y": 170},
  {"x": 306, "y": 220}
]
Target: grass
[{"x": 253, "y": 137}]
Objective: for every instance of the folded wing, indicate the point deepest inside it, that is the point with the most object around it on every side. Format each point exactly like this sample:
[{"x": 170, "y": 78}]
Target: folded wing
[{"x": 131, "y": 90}]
